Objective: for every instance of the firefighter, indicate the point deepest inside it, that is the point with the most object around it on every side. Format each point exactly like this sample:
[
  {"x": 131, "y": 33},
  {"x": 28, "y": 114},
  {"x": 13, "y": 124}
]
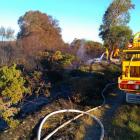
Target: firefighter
[
  {"x": 116, "y": 52},
  {"x": 107, "y": 53}
]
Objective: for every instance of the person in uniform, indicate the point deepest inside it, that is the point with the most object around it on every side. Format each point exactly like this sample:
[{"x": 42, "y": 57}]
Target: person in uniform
[
  {"x": 116, "y": 52},
  {"x": 107, "y": 53}
]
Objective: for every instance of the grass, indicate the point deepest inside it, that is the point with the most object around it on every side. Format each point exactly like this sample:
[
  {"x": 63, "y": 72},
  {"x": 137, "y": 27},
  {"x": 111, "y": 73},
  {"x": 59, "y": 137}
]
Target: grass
[{"x": 126, "y": 124}]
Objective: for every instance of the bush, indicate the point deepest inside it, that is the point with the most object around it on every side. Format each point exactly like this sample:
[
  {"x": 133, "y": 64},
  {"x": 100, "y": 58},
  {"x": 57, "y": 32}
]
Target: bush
[
  {"x": 56, "y": 60},
  {"x": 87, "y": 90},
  {"x": 126, "y": 123},
  {"x": 12, "y": 92}
]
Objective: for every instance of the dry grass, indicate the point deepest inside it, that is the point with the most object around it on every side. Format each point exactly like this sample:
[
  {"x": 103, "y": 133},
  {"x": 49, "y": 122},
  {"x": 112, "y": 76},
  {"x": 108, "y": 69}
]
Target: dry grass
[
  {"x": 87, "y": 122},
  {"x": 28, "y": 128}
]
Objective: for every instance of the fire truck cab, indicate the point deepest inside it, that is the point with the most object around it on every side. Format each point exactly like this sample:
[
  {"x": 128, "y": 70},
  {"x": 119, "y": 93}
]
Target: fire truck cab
[{"x": 129, "y": 81}]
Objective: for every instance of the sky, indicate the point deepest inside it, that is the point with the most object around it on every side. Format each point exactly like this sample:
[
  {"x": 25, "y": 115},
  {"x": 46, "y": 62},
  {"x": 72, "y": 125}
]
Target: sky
[{"x": 77, "y": 18}]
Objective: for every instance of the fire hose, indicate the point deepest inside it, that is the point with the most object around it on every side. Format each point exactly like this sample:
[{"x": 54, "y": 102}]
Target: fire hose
[{"x": 76, "y": 117}]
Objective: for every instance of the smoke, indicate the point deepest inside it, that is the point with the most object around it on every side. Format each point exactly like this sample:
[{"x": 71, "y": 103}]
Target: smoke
[
  {"x": 95, "y": 60},
  {"x": 81, "y": 53}
]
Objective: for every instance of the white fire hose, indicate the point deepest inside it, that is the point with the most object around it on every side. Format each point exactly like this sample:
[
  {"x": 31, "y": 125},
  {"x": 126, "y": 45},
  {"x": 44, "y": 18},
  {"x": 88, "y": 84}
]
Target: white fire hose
[{"x": 76, "y": 117}]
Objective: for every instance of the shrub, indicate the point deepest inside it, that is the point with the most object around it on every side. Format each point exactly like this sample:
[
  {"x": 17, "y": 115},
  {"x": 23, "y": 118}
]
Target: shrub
[
  {"x": 12, "y": 92},
  {"x": 67, "y": 60},
  {"x": 87, "y": 90},
  {"x": 126, "y": 123},
  {"x": 56, "y": 60}
]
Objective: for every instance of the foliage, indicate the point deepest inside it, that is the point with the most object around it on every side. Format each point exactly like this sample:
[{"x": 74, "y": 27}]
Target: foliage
[
  {"x": 6, "y": 33},
  {"x": 119, "y": 36},
  {"x": 7, "y": 54},
  {"x": 56, "y": 60},
  {"x": 39, "y": 30},
  {"x": 12, "y": 92},
  {"x": 38, "y": 84},
  {"x": 117, "y": 14},
  {"x": 67, "y": 60},
  {"x": 6, "y": 46},
  {"x": 57, "y": 56},
  {"x": 2, "y": 32},
  {"x": 35, "y": 21},
  {"x": 92, "y": 48},
  {"x": 126, "y": 123},
  {"x": 87, "y": 89}
]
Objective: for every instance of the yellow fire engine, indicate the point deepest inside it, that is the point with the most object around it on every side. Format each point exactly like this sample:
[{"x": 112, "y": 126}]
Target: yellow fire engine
[{"x": 129, "y": 81}]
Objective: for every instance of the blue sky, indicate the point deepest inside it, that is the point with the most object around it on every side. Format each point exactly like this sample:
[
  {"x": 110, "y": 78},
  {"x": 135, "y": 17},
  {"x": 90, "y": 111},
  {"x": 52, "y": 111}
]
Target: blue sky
[{"x": 77, "y": 18}]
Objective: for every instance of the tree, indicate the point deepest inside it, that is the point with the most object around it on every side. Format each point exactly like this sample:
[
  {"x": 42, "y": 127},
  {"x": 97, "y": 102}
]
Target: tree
[
  {"x": 119, "y": 36},
  {"x": 6, "y": 33},
  {"x": 12, "y": 92},
  {"x": 38, "y": 30},
  {"x": 56, "y": 60},
  {"x": 2, "y": 33},
  {"x": 6, "y": 47},
  {"x": 117, "y": 14},
  {"x": 9, "y": 33},
  {"x": 92, "y": 49}
]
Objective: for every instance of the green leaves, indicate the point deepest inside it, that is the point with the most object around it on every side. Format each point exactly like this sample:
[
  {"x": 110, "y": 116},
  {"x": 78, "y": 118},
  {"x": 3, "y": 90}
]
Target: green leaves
[
  {"x": 57, "y": 60},
  {"x": 12, "y": 91},
  {"x": 116, "y": 15},
  {"x": 119, "y": 35}
]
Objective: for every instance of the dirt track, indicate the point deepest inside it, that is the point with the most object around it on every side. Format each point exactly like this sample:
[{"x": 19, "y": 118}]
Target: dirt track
[{"x": 106, "y": 113}]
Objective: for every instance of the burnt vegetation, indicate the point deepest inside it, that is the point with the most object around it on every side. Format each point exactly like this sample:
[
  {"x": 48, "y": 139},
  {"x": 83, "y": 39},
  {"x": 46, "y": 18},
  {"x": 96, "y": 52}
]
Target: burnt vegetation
[
  {"x": 40, "y": 73},
  {"x": 38, "y": 67}
]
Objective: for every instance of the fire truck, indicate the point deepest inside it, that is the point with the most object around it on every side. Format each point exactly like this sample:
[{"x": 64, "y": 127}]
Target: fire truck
[{"x": 129, "y": 81}]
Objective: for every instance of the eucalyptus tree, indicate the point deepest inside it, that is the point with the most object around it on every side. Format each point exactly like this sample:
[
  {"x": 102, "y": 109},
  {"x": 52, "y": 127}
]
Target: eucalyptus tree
[{"x": 117, "y": 14}]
